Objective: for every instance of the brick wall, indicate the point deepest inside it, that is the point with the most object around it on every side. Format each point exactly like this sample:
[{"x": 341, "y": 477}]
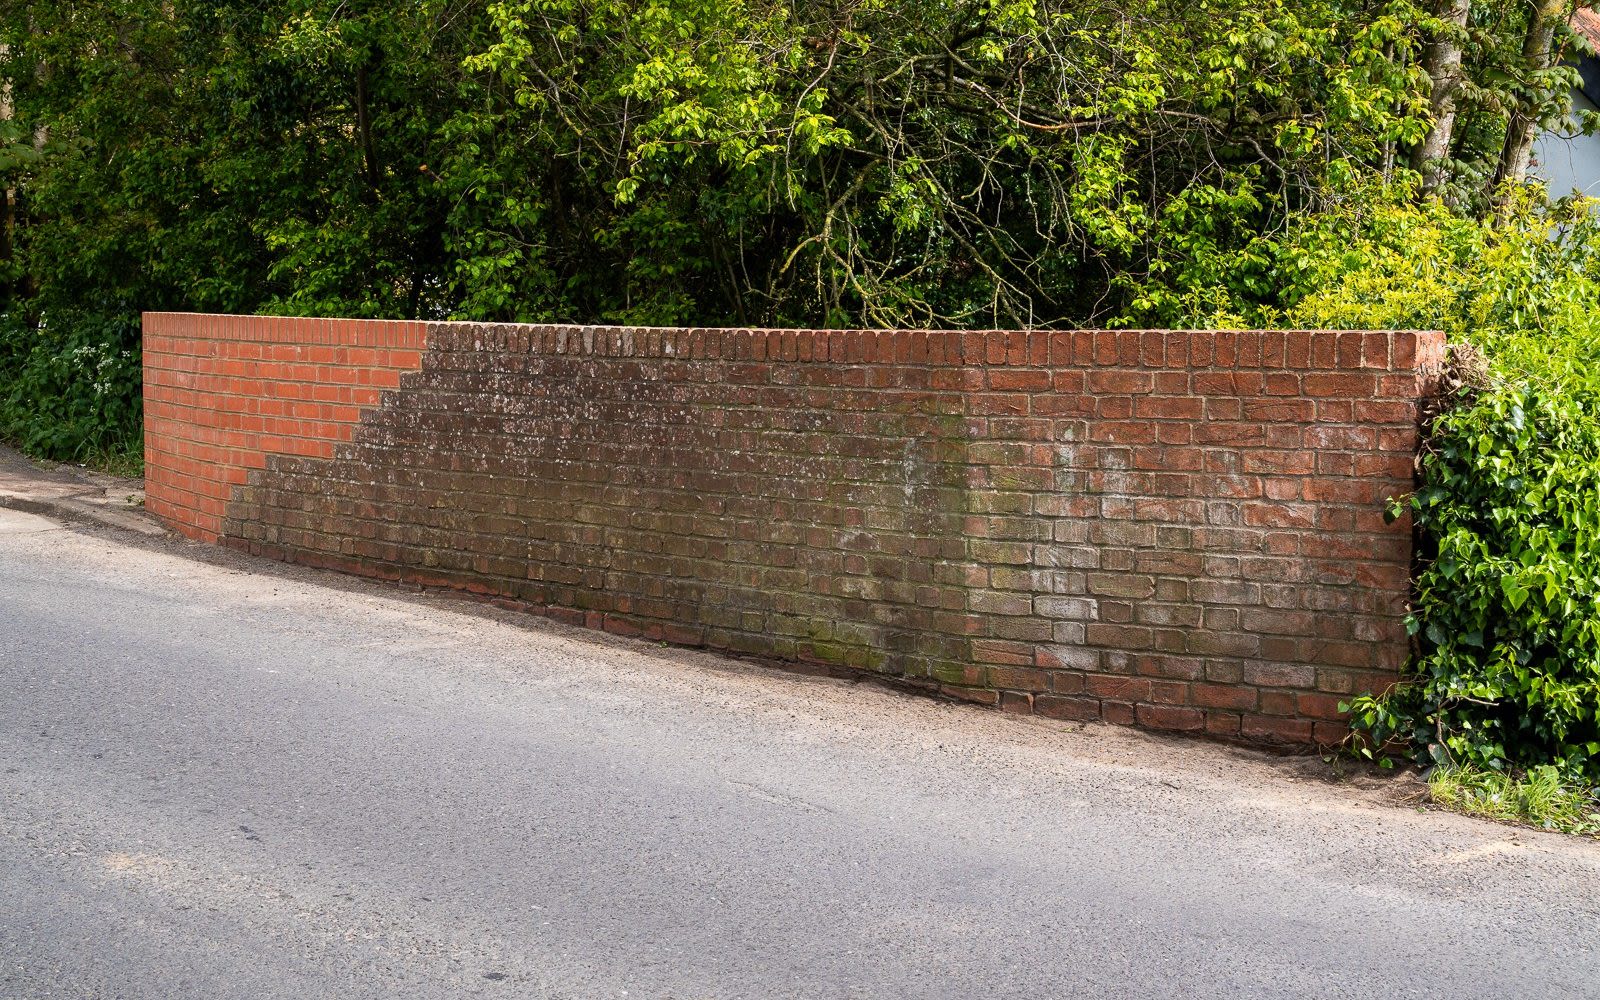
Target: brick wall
[{"x": 1181, "y": 530}]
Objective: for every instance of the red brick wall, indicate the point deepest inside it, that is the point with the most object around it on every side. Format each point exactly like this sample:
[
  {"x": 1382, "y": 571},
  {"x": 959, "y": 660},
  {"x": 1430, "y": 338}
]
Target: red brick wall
[
  {"x": 222, "y": 393},
  {"x": 1181, "y": 530}
]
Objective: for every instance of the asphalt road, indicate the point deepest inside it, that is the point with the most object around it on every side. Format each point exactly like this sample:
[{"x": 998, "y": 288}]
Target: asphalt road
[{"x": 221, "y": 778}]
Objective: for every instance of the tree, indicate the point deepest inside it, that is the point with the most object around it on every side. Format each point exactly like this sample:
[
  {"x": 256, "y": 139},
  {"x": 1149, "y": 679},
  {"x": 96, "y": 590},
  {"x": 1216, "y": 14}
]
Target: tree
[{"x": 1532, "y": 97}]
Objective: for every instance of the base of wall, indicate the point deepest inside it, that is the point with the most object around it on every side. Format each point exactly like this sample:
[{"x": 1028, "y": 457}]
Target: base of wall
[{"x": 1222, "y": 728}]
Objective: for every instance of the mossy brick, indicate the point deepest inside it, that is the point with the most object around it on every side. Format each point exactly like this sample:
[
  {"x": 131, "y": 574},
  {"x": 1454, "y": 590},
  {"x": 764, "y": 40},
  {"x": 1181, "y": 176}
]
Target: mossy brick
[{"x": 1067, "y": 707}]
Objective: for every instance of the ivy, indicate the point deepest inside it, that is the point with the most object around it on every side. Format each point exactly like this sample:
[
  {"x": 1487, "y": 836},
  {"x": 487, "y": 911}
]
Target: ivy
[{"x": 1507, "y": 612}]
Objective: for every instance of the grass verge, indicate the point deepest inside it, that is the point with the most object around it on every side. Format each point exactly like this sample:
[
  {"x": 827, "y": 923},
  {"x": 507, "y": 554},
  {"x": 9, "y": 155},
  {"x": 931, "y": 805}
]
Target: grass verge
[
  {"x": 128, "y": 464},
  {"x": 1537, "y": 798}
]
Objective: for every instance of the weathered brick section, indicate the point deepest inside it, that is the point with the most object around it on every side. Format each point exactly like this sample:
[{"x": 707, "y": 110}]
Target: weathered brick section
[
  {"x": 1181, "y": 530},
  {"x": 221, "y": 393}
]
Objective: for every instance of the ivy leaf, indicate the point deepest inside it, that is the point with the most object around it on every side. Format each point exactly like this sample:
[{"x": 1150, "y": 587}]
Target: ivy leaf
[{"x": 1515, "y": 592}]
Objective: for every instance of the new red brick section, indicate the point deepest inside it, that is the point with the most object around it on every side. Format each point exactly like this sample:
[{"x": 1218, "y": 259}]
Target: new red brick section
[
  {"x": 1180, "y": 530},
  {"x": 222, "y": 393}
]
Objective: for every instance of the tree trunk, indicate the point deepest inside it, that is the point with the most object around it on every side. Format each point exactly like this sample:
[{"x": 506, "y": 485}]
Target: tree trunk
[
  {"x": 1525, "y": 117},
  {"x": 1441, "y": 59},
  {"x": 369, "y": 155}
]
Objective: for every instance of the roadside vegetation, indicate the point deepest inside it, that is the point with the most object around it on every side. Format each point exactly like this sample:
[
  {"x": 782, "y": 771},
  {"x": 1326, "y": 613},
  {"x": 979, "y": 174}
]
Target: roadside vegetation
[
  {"x": 989, "y": 163},
  {"x": 1540, "y": 798}
]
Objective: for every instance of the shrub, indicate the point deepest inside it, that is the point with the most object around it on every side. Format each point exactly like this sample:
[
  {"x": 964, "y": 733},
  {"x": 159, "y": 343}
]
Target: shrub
[
  {"x": 71, "y": 394},
  {"x": 1506, "y": 617}
]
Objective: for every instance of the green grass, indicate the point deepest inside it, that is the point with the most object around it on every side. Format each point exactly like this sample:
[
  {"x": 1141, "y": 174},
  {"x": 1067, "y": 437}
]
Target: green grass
[
  {"x": 1537, "y": 798},
  {"x": 127, "y": 464}
]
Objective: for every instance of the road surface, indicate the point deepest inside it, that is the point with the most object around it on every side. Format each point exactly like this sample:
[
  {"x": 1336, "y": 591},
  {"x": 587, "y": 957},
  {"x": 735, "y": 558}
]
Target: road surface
[{"x": 223, "y": 778}]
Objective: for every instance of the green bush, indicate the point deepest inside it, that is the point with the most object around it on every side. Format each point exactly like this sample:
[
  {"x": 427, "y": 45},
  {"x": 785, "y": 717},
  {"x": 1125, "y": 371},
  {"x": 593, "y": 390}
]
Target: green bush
[
  {"x": 71, "y": 394},
  {"x": 1506, "y": 617}
]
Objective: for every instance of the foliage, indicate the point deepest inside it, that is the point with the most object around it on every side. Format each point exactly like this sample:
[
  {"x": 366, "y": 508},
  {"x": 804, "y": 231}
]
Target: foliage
[
  {"x": 72, "y": 396},
  {"x": 956, "y": 162},
  {"x": 887, "y": 164},
  {"x": 1507, "y": 612},
  {"x": 199, "y": 157},
  {"x": 1538, "y": 798},
  {"x": 1506, "y": 617}
]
